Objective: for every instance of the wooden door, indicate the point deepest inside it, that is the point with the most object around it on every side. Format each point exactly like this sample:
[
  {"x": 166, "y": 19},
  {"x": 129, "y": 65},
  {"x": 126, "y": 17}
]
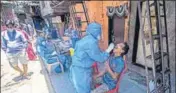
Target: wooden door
[{"x": 118, "y": 29}]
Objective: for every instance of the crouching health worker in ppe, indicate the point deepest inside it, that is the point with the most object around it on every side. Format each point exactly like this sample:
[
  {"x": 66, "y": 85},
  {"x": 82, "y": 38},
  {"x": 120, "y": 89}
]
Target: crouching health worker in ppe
[
  {"x": 109, "y": 77},
  {"x": 86, "y": 53}
]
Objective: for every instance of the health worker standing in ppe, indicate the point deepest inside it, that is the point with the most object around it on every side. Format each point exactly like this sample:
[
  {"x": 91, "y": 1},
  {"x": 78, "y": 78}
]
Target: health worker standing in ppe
[{"x": 86, "y": 53}]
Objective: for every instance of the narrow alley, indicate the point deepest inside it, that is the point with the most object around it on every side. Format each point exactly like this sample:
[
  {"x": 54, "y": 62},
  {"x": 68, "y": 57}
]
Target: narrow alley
[
  {"x": 77, "y": 46},
  {"x": 10, "y": 82}
]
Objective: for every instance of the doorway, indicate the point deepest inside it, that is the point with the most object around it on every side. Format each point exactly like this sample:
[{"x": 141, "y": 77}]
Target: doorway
[{"x": 116, "y": 29}]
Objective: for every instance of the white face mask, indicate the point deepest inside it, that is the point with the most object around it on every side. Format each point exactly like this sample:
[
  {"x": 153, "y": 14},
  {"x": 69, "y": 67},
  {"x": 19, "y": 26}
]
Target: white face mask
[
  {"x": 98, "y": 37},
  {"x": 10, "y": 29}
]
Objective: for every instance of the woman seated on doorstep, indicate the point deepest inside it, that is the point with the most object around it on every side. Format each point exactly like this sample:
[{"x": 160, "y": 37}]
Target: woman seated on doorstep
[
  {"x": 51, "y": 56},
  {"x": 109, "y": 77}
]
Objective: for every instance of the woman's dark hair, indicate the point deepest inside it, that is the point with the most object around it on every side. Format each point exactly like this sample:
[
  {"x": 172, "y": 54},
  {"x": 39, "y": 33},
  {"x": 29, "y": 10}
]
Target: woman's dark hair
[{"x": 125, "y": 48}]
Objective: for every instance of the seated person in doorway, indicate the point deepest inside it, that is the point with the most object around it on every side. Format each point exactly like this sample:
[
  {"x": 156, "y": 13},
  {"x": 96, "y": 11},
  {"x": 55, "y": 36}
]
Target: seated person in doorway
[
  {"x": 109, "y": 77},
  {"x": 51, "y": 31},
  {"x": 54, "y": 32},
  {"x": 51, "y": 56},
  {"x": 72, "y": 34}
]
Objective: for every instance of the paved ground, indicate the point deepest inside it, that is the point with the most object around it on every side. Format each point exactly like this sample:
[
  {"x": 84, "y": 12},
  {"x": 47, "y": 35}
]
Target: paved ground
[
  {"x": 131, "y": 83},
  {"x": 10, "y": 83},
  {"x": 62, "y": 84}
]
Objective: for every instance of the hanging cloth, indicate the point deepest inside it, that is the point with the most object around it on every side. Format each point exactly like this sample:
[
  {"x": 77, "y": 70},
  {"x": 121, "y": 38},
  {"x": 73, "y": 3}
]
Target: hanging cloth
[
  {"x": 120, "y": 10},
  {"x": 110, "y": 11}
]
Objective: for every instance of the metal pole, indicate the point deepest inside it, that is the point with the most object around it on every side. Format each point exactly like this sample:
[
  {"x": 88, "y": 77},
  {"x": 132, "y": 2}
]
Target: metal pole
[
  {"x": 74, "y": 16},
  {"x": 161, "y": 41},
  {"x": 156, "y": 13},
  {"x": 143, "y": 44},
  {"x": 151, "y": 43},
  {"x": 168, "y": 61},
  {"x": 85, "y": 11}
]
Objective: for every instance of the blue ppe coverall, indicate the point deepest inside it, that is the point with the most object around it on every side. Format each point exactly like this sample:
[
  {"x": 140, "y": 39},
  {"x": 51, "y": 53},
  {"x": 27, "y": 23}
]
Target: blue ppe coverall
[
  {"x": 46, "y": 29},
  {"x": 46, "y": 49},
  {"x": 75, "y": 37},
  {"x": 87, "y": 52},
  {"x": 51, "y": 32},
  {"x": 54, "y": 33},
  {"x": 73, "y": 34},
  {"x": 39, "y": 46},
  {"x": 37, "y": 23}
]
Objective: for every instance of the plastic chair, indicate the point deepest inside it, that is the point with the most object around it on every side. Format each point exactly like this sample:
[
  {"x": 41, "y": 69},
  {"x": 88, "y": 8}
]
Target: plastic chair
[
  {"x": 55, "y": 63},
  {"x": 95, "y": 67},
  {"x": 116, "y": 89},
  {"x": 48, "y": 66}
]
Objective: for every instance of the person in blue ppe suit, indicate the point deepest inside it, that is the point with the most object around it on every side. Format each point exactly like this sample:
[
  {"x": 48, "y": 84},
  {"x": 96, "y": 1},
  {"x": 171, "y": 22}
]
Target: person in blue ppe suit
[
  {"x": 47, "y": 51},
  {"x": 54, "y": 32},
  {"x": 73, "y": 34},
  {"x": 46, "y": 29},
  {"x": 86, "y": 53},
  {"x": 51, "y": 31},
  {"x": 39, "y": 47}
]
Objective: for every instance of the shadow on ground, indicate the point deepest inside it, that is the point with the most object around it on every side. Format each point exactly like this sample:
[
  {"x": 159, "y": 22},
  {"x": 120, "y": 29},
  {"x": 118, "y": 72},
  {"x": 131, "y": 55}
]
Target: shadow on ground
[{"x": 19, "y": 78}]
